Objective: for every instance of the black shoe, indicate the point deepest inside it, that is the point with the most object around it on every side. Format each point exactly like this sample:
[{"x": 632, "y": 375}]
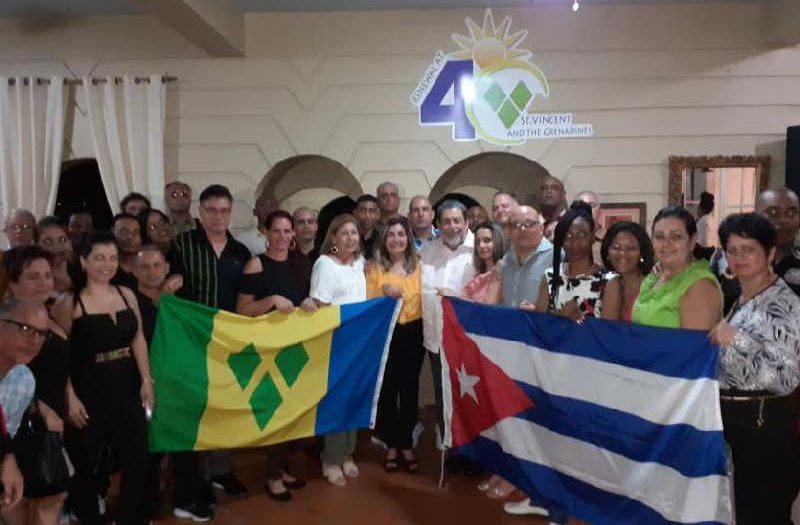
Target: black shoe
[
  {"x": 193, "y": 511},
  {"x": 229, "y": 484},
  {"x": 294, "y": 485},
  {"x": 279, "y": 496}
]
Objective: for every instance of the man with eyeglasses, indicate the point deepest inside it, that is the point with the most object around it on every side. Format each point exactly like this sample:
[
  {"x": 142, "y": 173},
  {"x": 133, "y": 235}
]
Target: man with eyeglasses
[
  {"x": 128, "y": 237},
  {"x": 23, "y": 330},
  {"x": 305, "y": 229},
  {"x": 19, "y": 228},
  {"x": 211, "y": 262},
  {"x": 178, "y": 201},
  {"x": 530, "y": 255}
]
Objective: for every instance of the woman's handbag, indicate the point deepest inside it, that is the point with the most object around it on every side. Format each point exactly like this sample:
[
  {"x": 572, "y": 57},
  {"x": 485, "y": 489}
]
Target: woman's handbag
[{"x": 41, "y": 457}]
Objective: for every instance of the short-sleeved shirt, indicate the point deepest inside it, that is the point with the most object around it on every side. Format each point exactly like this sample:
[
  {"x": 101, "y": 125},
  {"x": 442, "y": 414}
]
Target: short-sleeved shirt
[
  {"x": 661, "y": 306},
  {"x": 208, "y": 279},
  {"x": 408, "y": 284},
  {"x": 289, "y": 279},
  {"x": 336, "y": 283},
  {"x": 521, "y": 282}
]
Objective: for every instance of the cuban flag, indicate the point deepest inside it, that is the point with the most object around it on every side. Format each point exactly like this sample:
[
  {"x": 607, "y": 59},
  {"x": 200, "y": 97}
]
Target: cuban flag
[{"x": 609, "y": 422}]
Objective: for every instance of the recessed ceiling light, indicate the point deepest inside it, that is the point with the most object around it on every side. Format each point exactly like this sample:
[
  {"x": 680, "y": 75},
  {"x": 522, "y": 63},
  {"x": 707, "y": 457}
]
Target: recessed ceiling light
[{"x": 575, "y": 6}]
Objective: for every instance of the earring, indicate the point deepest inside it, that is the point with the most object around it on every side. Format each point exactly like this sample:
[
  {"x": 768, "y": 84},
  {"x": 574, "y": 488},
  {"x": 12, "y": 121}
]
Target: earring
[
  {"x": 293, "y": 244},
  {"x": 334, "y": 249}
]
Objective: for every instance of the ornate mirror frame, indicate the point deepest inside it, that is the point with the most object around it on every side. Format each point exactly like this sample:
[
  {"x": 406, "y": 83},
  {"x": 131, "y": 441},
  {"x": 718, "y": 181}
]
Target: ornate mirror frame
[{"x": 678, "y": 164}]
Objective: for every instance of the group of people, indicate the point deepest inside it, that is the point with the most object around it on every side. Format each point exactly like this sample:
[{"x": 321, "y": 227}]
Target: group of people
[{"x": 84, "y": 304}]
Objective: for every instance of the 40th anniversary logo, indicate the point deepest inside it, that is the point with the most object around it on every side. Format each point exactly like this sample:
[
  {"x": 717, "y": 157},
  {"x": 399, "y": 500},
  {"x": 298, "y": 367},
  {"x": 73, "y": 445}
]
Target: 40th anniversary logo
[{"x": 488, "y": 89}]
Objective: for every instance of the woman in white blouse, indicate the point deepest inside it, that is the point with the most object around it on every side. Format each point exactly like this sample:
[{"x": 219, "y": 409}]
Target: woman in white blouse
[{"x": 338, "y": 278}]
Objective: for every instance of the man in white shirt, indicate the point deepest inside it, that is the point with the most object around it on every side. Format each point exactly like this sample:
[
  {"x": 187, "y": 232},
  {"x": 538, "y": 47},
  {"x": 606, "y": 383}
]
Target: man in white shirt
[
  {"x": 446, "y": 267},
  {"x": 254, "y": 238}
]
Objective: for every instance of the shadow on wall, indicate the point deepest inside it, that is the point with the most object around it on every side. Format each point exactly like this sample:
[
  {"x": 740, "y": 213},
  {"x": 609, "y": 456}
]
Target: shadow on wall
[{"x": 479, "y": 176}]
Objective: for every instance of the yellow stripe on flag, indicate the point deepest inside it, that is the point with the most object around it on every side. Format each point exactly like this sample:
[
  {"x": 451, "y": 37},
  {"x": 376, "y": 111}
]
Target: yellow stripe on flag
[{"x": 245, "y": 376}]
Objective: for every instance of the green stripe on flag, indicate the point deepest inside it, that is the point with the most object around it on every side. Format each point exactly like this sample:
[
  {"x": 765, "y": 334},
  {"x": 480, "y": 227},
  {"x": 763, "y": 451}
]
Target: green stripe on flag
[{"x": 179, "y": 367}]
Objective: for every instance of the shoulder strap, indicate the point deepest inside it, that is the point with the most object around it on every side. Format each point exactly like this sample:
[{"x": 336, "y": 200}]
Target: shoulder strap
[
  {"x": 80, "y": 302},
  {"x": 124, "y": 300}
]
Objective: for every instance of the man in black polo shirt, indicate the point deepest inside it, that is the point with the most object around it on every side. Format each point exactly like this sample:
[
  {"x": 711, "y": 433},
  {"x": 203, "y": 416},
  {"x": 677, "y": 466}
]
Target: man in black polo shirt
[
  {"x": 128, "y": 237},
  {"x": 211, "y": 262},
  {"x": 367, "y": 215}
]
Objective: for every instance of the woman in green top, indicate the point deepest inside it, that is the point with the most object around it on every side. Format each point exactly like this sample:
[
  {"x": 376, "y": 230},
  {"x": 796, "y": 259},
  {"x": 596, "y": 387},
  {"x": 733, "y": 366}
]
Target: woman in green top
[{"x": 684, "y": 293}]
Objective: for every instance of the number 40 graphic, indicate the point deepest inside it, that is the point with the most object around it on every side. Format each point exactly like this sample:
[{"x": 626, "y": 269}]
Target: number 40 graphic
[{"x": 436, "y": 111}]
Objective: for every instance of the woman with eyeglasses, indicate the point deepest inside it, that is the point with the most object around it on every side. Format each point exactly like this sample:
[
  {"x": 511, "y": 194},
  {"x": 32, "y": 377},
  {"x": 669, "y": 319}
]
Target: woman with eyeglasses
[
  {"x": 31, "y": 278},
  {"x": 277, "y": 280},
  {"x": 111, "y": 385},
  {"x": 684, "y": 293},
  {"x": 759, "y": 373},
  {"x": 578, "y": 288},
  {"x": 52, "y": 236},
  {"x": 626, "y": 249}
]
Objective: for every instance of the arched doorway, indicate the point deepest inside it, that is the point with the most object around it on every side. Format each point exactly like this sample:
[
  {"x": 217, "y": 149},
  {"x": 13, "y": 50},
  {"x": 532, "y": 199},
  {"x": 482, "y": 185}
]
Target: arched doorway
[
  {"x": 481, "y": 175},
  {"x": 80, "y": 189},
  {"x": 308, "y": 180}
]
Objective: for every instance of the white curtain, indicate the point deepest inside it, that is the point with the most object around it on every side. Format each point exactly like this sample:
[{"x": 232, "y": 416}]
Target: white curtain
[
  {"x": 127, "y": 123},
  {"x": 31, "y": 143}
]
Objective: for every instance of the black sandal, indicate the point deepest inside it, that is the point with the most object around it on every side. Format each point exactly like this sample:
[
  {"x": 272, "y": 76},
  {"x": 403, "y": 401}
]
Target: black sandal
[
  {"x": 411, "y": 464},
  {"x": 391, "y": 464}
]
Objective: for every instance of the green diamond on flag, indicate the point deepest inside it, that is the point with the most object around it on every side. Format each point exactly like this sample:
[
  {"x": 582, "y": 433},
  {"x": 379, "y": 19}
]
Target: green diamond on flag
[
  {"x": 494, "y": 96},
  {"x": 291, "y": 361},
  {"x": 243, "y": 364},
  {"x": 508, "y": 114},
  {"x": 265, "y": 401},
  {"x": 521, "y": 95}
]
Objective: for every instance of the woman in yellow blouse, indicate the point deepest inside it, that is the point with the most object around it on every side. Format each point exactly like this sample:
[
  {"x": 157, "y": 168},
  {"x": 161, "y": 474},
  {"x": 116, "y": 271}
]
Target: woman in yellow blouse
[{"x": 396, "y": 273}]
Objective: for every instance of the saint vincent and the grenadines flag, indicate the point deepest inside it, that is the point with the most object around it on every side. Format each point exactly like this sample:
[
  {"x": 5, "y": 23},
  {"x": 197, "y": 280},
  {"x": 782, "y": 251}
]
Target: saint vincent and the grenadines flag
[{"x": 225, "y": 381}]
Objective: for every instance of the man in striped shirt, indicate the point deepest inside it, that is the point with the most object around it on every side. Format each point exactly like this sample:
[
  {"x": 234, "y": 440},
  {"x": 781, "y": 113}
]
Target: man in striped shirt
[{"x": 211, "y": 263}]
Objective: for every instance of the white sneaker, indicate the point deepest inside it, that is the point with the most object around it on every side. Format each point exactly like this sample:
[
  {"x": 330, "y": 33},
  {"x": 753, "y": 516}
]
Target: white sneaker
[
  {"x": 350, "y": 468},
  {"x": 524, "y": 507},
  {"x": 334, "y": 475}
]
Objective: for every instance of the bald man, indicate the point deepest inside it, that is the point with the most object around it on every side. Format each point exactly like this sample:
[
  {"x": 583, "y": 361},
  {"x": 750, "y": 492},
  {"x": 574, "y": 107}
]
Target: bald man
[
  {"x": 388, "y": 200},
  {"x": 19, "y": 227},
  {"x": 420, "y": 217},
  {"x": 305, "y": 228},
  {"x": 552, "y": 199},
  {"x": 530, "y": 255}
]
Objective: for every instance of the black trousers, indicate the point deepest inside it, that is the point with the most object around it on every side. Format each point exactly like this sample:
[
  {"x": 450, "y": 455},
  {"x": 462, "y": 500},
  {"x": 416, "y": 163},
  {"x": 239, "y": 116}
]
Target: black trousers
[
  {"x": 277, "y": 457},
  {"x": 765, "y": 458},
  {"x": 116, "y": 417},
  {"x": 191, "y": 486},
  {"x": 399, "y": 397}
]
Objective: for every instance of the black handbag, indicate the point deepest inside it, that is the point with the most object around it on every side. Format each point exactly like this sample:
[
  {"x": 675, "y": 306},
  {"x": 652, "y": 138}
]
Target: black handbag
[{"x": 41, "y": 457}]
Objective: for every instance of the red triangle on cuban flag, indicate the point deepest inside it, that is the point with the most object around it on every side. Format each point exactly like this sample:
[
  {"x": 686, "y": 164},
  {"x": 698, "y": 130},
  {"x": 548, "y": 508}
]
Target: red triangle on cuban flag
[{"x": 482, "y": 393}]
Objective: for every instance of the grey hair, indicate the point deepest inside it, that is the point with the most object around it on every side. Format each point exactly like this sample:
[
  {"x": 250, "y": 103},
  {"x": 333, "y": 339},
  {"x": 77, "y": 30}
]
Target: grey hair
[{"x": 452, "y": 204}]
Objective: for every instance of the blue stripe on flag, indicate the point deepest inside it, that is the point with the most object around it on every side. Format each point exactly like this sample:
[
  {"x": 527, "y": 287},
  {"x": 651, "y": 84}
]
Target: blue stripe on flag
[
  {"x": 549, "y": 487},
  {"x": 355, "y": 359},
  {"x": 692, "y": 452},
  {"x": 647, "y": 348}
]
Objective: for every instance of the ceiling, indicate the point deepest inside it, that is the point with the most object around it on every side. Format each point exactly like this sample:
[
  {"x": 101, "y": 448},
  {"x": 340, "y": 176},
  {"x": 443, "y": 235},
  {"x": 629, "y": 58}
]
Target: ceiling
[{"x": 127, "y": 7}]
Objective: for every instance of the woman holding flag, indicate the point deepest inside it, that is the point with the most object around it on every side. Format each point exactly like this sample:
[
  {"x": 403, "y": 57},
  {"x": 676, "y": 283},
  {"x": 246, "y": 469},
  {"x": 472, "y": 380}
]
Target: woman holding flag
[
  {"x": 759, "y": 373},
  {"x": 277, "y": 280},
  {"x": 396, "y": 273},
  {"x": 338, "y": 278}
]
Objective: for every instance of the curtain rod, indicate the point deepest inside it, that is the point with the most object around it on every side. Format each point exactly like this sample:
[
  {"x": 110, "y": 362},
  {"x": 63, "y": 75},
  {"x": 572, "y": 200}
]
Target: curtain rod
[{"x": 78, "y": 81}]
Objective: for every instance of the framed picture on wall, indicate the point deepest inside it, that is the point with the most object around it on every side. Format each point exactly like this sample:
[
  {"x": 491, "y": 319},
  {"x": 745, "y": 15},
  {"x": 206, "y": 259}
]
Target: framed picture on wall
[{"x": 624, "y": 211}]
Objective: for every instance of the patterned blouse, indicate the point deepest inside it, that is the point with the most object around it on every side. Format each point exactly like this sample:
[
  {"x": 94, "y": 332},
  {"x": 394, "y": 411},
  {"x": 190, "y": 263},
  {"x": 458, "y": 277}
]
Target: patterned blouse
[
  {"x": 585, "y": 289},
  {"x": 765, "y": 353}
]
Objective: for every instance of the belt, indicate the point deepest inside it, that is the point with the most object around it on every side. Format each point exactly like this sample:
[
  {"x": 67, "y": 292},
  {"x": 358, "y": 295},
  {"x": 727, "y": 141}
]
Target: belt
[
  {"x": 745, "y": 395},
  {"x": 112, "y": 355}
]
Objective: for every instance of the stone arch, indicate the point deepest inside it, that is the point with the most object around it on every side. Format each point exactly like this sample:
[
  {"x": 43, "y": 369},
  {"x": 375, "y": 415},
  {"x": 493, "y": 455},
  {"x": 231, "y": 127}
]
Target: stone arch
[
  {"x": 483, "y": 174},
  {"x": 310, "y": 180}
]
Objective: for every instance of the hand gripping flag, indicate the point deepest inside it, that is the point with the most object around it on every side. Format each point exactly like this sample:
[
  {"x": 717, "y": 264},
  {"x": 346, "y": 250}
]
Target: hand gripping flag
[
  {"x": 611, "y": 423},
  {"x": 224, "y": 380}
]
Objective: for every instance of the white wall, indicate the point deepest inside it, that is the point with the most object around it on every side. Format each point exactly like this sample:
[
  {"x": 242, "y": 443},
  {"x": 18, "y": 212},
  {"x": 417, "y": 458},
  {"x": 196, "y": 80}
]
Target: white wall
[{"x": 654, "y": 80}]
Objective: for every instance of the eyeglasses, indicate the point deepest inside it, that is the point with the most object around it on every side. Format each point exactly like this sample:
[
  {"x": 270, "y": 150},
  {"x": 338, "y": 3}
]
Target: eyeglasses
[
  {"x": 673, "y": 238},
  {"x": 17, "y": 228},
  {"x": 216, "y": 211},
  {"x": 527, "y": 225},
  {"x": 178, "y": 194},
  {"x": 624, "y": 248},
  {"x": 27, "y": 330},
  {"x": 580, "y": 236}
]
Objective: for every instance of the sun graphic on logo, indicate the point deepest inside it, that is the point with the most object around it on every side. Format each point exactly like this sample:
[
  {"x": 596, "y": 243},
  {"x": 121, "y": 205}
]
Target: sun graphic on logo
[{"x": 491, "y": 44}]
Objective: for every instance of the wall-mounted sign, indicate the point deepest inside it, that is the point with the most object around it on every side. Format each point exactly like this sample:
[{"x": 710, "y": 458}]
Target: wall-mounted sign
[{"x": 488, "y": 89}]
